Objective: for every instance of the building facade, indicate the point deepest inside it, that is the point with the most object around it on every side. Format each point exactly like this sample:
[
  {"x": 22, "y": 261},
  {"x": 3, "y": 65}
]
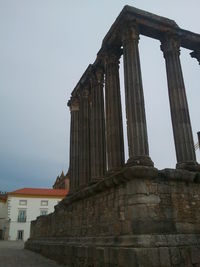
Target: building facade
[{"x": 25, "y": 205}]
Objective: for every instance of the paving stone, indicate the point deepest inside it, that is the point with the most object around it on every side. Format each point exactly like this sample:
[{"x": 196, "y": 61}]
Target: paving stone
[{"x": 13, "y": 254}]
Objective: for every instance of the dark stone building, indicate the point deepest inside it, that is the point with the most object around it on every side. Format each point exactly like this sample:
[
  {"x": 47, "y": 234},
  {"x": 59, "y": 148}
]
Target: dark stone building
[
  {"x": 126, "y": 213},
  {"x": 62, "y": 181}
]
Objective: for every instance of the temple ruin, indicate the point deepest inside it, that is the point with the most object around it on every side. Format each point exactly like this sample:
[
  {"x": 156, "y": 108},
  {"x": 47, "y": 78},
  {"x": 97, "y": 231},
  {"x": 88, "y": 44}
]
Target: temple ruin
[{"x": 126, "y": 213}]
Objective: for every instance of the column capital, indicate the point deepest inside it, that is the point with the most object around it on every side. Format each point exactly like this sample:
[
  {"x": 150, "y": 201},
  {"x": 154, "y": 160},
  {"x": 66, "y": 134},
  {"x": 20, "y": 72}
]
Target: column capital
[
  {"x": 196, "y": 54},
  {"x": 112, "y": 55},
  {"x": 85, "y": 92},
  {"x": 99, "y": 74},
  {"x": 130, "y": 32},
  {"x": 73, "y": 104},
  {"x": 97, "y": 77},
  {"x": 170, "y": 43}
]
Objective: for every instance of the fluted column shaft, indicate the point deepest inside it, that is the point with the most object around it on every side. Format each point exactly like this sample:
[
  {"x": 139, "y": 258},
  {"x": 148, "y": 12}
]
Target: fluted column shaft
[
  {"x": 182, "y": 130},
  {"x": 98, "y": 149},
  {"x": 84, "y": 148},
  {"x": 135, "y": 108},
  {"x": 74, "y": 144},
  {"x": 114, "y": 127}
]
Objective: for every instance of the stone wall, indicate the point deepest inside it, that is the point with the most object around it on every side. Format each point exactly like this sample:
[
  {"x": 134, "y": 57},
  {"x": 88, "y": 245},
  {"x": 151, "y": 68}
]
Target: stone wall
[{"x": 140, "y": 217}]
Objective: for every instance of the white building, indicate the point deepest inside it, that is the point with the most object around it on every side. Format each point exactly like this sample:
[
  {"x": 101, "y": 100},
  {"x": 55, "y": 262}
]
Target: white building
[{"x": 25, "y": 205}]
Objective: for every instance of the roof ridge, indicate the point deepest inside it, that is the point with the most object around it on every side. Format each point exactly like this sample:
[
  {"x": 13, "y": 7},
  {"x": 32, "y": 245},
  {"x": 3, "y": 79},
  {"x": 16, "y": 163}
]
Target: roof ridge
[{"x": 40, "y": 191}]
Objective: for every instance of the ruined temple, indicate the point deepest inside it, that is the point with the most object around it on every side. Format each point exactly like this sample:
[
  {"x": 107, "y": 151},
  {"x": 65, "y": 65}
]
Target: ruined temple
[{"x": 126, "y": 214}]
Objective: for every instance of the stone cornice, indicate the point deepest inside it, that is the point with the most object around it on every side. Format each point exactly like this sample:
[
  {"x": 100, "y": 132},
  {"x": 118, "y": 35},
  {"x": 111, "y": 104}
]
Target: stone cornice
[
  {"x": 126, "y": 241},
  {"x": 84, "y": 78},
  {"x": 150, "y": 25},
  {"x": 129, "y": 173}
]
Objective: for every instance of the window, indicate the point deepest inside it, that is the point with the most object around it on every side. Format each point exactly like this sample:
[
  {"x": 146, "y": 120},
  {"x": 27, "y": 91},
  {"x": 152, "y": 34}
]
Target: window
[
  {"x": 22, "y": 202},
  {"x": 44, "y": 212},
  {"x": 1, "y": 234},
  {"x": 44, "y": 202},
  {"x": 20, "y": 234},
  {"x": 22, "y": 216}
]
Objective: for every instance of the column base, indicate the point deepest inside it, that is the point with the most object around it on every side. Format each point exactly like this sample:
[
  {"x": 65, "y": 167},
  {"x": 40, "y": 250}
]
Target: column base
[
  {"x": 113, "y": 171},
  {"x": 140, "y": 161},
  {"x": 96, "y": 180},
  {"x": 188, "y": 165}
]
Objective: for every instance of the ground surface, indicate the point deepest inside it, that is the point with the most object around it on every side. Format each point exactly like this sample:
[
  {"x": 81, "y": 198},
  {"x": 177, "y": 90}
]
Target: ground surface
[{"x": 13, "y": 254}]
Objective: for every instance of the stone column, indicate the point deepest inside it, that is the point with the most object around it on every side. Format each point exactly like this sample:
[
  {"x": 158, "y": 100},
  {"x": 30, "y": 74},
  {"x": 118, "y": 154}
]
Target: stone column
[
  {"x": 84, "y": 121},
  {"x": 135, "y": 108},
  {"x": 114, "y": 126},
  {"x": 182, "y": 130},
  {"x": 98, "y": 149},
  {"x": 74, "y": 144},
  {"x": 196, "y": 54}
]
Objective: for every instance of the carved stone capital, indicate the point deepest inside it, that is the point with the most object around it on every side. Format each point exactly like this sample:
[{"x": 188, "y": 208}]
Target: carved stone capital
[
  {"x": 112, "y": 59},
  {"x": 130, "y": 33},
  {"x": 196, "y": 54},
  {"x": 112, "y": 56},
  {"x": 74, "y": 104},
  {"x": 85, "y": 92},
  {"x": 97, "y": 77},
  {"x": 99, "y": 73},
  {"x": 170, "y": 44}
]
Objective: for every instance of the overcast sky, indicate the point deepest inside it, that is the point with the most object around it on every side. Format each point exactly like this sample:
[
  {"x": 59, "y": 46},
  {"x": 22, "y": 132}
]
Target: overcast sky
[{"x": 45, "y": 46}]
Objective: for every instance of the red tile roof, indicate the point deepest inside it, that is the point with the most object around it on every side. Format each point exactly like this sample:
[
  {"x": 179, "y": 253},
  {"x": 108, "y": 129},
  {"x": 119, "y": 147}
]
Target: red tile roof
[{"x": 40, "y": 192}]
